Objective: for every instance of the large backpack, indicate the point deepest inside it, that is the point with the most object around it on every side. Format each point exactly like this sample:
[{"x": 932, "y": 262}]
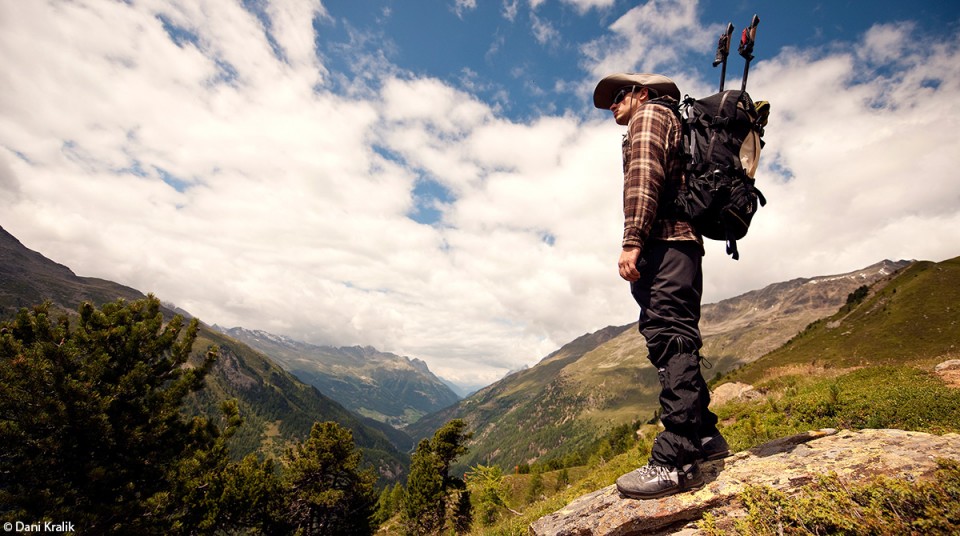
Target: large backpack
[{"x": 722, "y": 138}]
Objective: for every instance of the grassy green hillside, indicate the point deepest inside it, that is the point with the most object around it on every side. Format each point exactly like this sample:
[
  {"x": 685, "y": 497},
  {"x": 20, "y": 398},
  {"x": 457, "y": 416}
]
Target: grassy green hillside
[
  {"x": 914, "y": 318},
  {"x": 741, "y": 329},
  {"x": 556, "y": 407}
]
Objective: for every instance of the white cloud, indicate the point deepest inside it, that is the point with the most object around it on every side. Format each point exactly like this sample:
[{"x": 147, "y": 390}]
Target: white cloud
[
  {"x": 291, "y": 220},
  {"x": 462, "y": 6},
  {"x": 648, "y": 38},
  {"x": 585, "y": 5},
  {"x": 510, "y": 9},
  {"x": 543, "y": 31},
  {"x": 292, "y": 27},
  {"x": 886, "y": 42}
]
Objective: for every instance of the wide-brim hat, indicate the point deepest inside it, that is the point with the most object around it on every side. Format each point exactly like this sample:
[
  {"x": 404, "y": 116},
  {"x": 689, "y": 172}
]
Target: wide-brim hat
[{"x": 608, "y": 87}]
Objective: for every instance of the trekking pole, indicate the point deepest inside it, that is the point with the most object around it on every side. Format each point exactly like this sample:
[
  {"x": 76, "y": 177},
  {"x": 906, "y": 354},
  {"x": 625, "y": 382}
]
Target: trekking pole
[
  {"x": 747, "y": 40},
  {"x": 723, "y": 50}
]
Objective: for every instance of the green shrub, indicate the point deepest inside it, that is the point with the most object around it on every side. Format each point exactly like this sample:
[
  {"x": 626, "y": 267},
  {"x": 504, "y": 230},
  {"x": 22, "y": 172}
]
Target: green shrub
[
  {"x": 900, "y": 397},
  {"x": 884, "y": 505}
]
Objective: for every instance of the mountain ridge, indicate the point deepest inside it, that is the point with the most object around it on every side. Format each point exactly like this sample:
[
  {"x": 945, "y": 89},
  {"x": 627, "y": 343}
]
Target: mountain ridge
[
  {"x": 602, "y": 379},
  {"x": 903, "y": 320},
  {"x": 554, "y": 408},
  {"x": 277, "y": 408},
  {"x": 379, "y": 385},
  {"x": 24, "y": 272}
]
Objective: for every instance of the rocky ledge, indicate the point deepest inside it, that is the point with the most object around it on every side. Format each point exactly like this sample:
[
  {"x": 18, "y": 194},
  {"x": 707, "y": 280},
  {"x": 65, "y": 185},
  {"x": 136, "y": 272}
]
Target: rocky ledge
[{"x": 784, "y": 464}]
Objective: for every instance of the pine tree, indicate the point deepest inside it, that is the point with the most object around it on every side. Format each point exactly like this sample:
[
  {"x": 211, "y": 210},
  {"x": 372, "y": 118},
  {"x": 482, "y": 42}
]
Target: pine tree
[
  {"x": 535, "y": 489},
  {"x": 198, "y": 482},
  {"x": 430, "y": 482},
  {"x": 563, "y": 479},
  {"x": 449, "y": 443},
  {"x": 388, "y": 504},
  {"x": 330, "y": 493},
  {"x": 488, "y": 492},
  {"x": 423, "y": 505},
  {"x": 91, "y": 422},
  {"x": 252, "y": 497},
  {"x": 383, "y": 509},
  {"x": 396, "y": 497}
]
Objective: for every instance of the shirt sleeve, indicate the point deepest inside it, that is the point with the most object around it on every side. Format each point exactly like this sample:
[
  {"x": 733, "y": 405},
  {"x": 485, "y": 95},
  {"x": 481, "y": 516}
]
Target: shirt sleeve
[{"x": 646, "y": 150}]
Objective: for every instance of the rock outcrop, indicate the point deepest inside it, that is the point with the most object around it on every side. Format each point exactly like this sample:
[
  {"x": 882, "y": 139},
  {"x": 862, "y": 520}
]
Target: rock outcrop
[
  {"x": 784, "y": 464},
  {"x": 949, "y": 372},
  {"x": 733, "y": 392}
]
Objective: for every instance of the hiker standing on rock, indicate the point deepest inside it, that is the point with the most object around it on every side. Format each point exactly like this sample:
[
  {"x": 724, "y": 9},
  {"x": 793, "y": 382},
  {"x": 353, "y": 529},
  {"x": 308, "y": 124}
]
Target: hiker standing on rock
[{"x": 661, "y": 258}]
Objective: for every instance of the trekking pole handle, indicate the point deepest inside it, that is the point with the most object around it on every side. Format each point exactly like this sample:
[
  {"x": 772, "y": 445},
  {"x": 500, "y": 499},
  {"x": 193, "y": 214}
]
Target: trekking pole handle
[
  {"x": 723, "y": 45},
  {"x": 748, "y": 37}
]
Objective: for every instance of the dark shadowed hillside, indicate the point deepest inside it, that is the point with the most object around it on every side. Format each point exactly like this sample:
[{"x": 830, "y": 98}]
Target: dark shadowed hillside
[{"x": 27, "y": 278}]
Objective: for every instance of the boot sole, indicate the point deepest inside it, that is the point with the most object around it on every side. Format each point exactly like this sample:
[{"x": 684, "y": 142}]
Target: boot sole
[{"x": 717, "y": 456}]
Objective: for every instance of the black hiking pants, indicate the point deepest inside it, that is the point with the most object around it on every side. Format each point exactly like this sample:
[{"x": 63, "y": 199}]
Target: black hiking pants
[{"x": 669, "y": 292}]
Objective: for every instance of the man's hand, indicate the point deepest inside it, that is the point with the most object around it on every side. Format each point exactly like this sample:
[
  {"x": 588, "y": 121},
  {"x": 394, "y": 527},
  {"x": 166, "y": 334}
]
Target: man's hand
[{"x": 628, "y": 263}]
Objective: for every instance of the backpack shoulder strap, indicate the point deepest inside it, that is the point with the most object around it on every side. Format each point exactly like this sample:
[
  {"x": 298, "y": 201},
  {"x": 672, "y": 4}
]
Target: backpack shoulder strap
[
  {"x": 667, "y": 207},
  {"x": 670, "y": 103}
]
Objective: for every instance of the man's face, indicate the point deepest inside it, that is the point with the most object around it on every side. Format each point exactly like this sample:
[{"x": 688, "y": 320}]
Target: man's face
[{"x": 625, "y": 102}]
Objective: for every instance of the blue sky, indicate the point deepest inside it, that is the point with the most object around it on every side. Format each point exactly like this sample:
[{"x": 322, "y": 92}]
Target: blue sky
[
  {"x": 498, "y": 54},
  {"x": 430, "y": 178}
]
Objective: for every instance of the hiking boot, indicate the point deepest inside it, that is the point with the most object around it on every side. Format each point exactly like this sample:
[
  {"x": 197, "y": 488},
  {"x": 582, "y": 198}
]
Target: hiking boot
[
  {"x": 652, "y": 481},
  {"x": 714, "y": 447}
]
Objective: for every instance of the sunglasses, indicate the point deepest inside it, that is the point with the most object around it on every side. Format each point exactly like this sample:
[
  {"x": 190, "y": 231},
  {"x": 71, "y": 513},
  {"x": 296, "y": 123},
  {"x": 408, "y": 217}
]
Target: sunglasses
[{"x": 622, "y": 95}]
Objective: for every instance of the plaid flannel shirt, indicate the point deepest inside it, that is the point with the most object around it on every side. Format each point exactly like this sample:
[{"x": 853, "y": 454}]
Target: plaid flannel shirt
[{"x": 651, "y": 157}]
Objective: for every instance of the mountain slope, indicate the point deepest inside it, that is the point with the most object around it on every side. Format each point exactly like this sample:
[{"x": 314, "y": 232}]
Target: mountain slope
[
  {"x": 276, "y": 407},
  {"x": 281, "y": 408},
  {"x": 539, "y": 406},
  {"x": 382, "y": 386},
  {"x": 914, "y": 318},
  {"x": 27, "y": 278},
  {"x": 567, "y": 400},
  {"x": 743, "y": 328}
]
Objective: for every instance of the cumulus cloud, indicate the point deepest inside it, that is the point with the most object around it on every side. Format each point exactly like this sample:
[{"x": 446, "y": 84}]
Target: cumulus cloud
[
  {"x": 648, "y": 38},
  {"x": 181, "y": 149},
  {"x": 855, "y": 168},
  {"x": 205, "y": 153}
]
